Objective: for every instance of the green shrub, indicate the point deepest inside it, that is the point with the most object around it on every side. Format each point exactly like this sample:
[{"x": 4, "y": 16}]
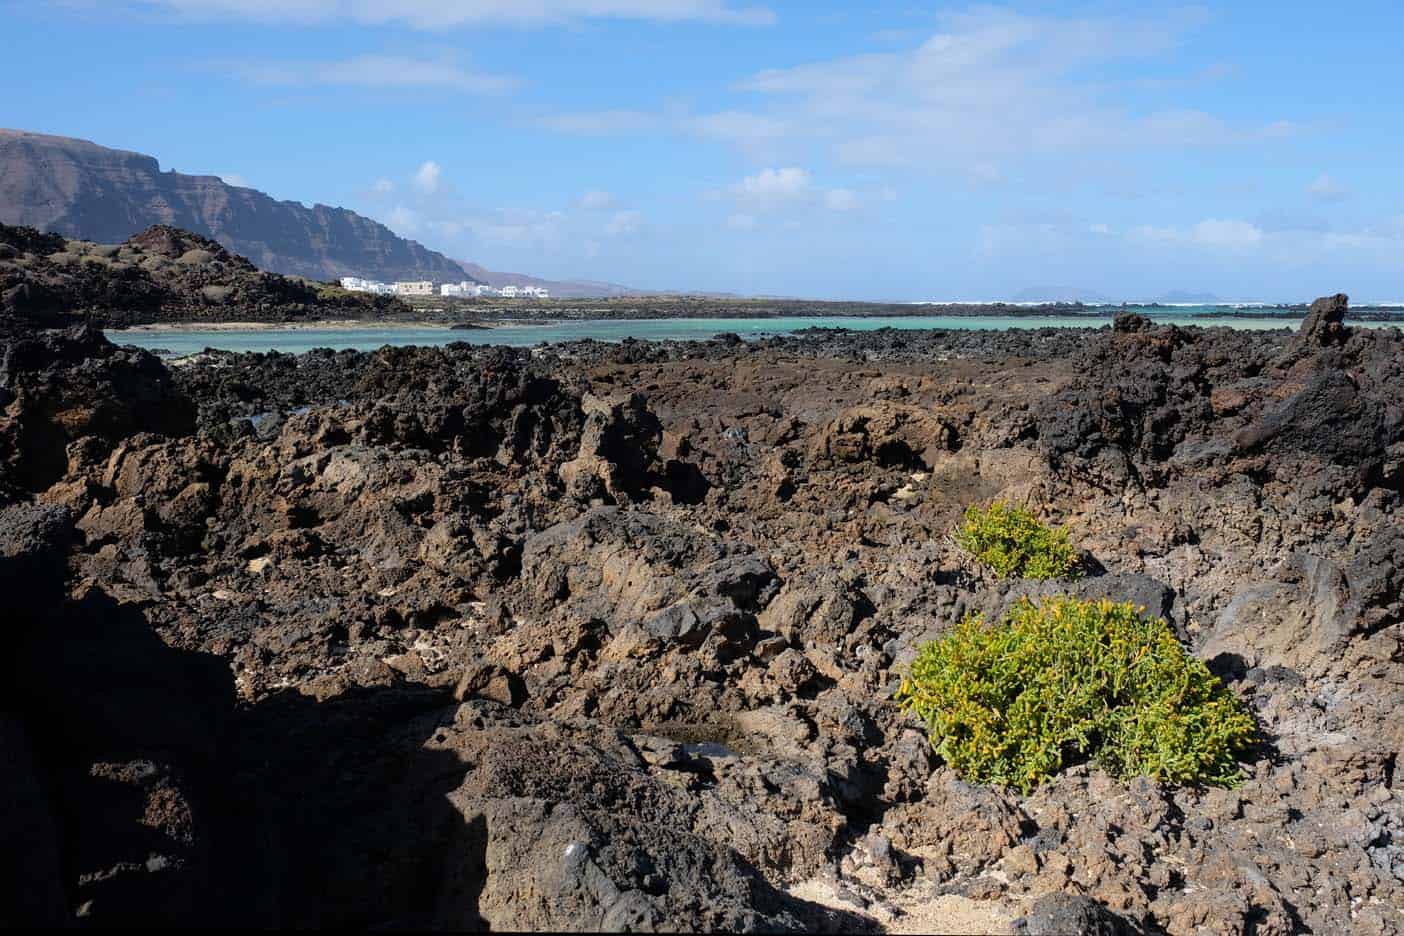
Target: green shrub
[
  {"x": 329, "y": 292},
  {"x": 1012, "y": 542},
  {"x": 1069, "y": 680}
]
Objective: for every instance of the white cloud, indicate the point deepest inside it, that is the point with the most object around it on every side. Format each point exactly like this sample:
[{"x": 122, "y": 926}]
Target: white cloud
[
  {"x": 1214, "y": 232},
  {"x": 599, "y": 123},
  {"x": 739, "y": 127},
  {"x": 770, "y": 186},
  {"x": 444, "y": 14},
  {"x": 428, "y": 178},
  {"x": 984, "y": 173},
  {"x": 448, "y": 228},
  {"x": 382, "y": 187},
  {"x": 624, "y": 222},
  {"x": 841, "y": 199},
  {"x": 597, "y": 201},
  {"x": 403, "y": 220},
  {"x": 991, "y": 87},
  {"x": 1216, "y": 236},
  {"x": 1325, "y": 188},
  {"x": 377, "y": 71},
  {"x": 1386, "y": 237},
  {"x": 519, "y": 228},
  {"x": 753, "y": 132},
  {"x": 787, "y": 191},
  {"x": 741, "y": 221},
  {"x": 1211, "y": 232}
]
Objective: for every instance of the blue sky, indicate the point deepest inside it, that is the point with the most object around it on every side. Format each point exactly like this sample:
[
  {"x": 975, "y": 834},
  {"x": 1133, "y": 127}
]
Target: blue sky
[{"x": 889, "y": 151}]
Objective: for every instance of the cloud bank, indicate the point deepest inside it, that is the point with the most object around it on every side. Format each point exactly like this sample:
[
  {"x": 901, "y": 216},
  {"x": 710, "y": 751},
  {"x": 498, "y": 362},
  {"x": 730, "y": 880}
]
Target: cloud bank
[{"x": 446, "y": 14}]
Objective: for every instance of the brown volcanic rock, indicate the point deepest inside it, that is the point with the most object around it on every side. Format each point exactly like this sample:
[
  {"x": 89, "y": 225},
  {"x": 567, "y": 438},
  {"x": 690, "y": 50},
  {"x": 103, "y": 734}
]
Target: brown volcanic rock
[
  {"x": 58, "y": 388},
  {"x": 674, "y": 711},
  {"x": 1324, "y": 323},
  {"x": 85, "y": 191}
]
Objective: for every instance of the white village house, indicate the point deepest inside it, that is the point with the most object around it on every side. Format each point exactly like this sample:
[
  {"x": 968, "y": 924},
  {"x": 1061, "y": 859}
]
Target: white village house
[
  {"x": 467, "y": 289},
  {"x": 522, "y": 292},
  {"x": 357, "y": 284},
  {"x": 464, "y": 289}
]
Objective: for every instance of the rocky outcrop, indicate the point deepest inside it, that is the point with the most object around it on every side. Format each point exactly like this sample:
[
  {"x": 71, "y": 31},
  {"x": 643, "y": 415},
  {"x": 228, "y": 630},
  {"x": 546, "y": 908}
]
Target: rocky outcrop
[
  {"x": 618, "y": 448},
  {"x": 61, "y": 389},
  {"x": 162, "y": 274},
  {"x": 84, "y": 191},
  {"x": 1324, "y": 323}
]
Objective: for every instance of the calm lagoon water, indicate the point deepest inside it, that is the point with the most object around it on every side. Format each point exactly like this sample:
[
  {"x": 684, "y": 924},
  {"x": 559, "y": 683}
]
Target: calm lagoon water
[{"x": 293, "y": 340}]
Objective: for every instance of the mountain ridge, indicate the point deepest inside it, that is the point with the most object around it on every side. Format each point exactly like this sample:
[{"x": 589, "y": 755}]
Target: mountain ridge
[{"x": 87, "y": 191}]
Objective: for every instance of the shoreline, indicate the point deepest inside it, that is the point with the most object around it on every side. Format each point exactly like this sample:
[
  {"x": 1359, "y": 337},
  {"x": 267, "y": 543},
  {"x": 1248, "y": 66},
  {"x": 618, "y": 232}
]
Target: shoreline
[
  {"x": 349, "y": 325},
  {"x": 1369, "y": 318}
]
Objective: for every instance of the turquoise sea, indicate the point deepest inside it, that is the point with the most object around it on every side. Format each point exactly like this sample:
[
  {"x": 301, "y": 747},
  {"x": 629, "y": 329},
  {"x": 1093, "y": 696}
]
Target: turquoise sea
[{"x": 192, "y": 340}]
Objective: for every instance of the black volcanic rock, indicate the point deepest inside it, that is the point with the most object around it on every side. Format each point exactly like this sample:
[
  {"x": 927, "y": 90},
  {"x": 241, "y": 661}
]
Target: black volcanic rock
[
  {"x": 82, "y": 190},
  {"x": 163, "y": 274}
]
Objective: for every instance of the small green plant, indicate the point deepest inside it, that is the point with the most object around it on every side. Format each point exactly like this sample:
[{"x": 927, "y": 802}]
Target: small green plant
[
  {"x": 330, "y": 292},
  {"x": 1012, "y": 542},
  {"x": 1068, "y": 680}
]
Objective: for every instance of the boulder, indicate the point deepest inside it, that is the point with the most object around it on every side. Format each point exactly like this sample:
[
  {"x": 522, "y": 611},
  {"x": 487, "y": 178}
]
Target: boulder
[
  {"x": 483, "y": 680},
  {"x": 893, "y": 435},
  {"x": 1308, "y": 611},
  {"x": 1061, "y": 914},
  {"x": 628, "y": 566},
  {"x": 618, "y": 447},
  {"x": 1324, "y": 322}
]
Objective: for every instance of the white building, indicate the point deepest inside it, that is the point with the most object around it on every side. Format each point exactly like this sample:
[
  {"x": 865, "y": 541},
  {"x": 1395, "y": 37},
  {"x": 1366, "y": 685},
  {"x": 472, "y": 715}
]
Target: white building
[
  {"x": 508, "y": 292},
  {"x": 414, "y": 288},
  {"x": 356, "y": 284},
  {"x": 467, "y": 289},
  {"x": 540, "y": 292}
]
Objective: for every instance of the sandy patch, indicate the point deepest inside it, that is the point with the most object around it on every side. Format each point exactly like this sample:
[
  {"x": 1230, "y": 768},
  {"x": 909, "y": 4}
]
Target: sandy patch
[{"x": 949, "y": 914}]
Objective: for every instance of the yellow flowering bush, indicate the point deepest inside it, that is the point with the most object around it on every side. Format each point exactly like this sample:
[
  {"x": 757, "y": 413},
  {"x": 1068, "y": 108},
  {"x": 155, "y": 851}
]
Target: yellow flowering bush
[
  {"x": 1013, "y": 542},
  {"x": 1068, "y": 680}
]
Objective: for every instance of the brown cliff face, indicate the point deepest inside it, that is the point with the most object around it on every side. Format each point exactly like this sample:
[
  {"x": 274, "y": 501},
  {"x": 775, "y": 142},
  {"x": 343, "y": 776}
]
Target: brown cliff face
[{"x": 82, "y": 190}]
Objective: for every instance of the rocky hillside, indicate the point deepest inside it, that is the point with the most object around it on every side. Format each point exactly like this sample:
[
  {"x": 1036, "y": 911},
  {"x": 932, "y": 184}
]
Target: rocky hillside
[
  {"x": 82, "y": 190},
  {"x": 605, "y": 637},
  {"x": 162, "y": 274}
]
